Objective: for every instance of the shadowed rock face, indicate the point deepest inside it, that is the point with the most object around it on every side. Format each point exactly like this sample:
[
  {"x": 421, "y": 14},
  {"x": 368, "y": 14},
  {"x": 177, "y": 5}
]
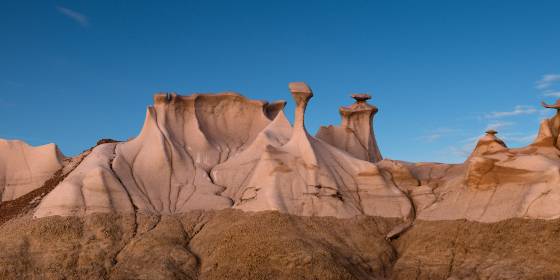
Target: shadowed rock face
[
  {"x": 24, "y": 168},
  {"x": 355, "y": 135}
]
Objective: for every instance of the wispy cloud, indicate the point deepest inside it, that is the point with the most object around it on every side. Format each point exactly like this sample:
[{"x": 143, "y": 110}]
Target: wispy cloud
[
  {"x": 461, "y": 151},
  {"x": 498, "y": 125},
  {"x": 517, "y": 110},
  {"x": 438, "y": 134},
  {"x": 520, "y": 138},
  {"x": 547, "y": 81},
  {"x": 552, "y": 93},
  {"x": 75, "y": 16}
]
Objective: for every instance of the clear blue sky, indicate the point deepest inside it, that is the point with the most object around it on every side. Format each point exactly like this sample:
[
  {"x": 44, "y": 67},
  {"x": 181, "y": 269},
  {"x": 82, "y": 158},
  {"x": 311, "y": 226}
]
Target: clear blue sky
[{"x": 441, "y": 72}]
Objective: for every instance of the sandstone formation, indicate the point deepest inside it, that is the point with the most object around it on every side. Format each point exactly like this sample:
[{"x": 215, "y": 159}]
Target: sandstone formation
[
  {"x": 216, "y": 151},
  {"x": 24, "y": 168},
  {"x": 219, "y": 186},
  {"x": 355, "y": 134},
  {"x": 223, "y": 150}
]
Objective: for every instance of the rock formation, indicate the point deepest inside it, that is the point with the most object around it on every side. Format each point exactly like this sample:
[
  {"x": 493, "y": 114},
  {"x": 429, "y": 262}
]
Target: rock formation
[
  {"x": 24, "y": 168},
  {"x": 223, "y": 150},
  {"x": 355, "y": 134},
  {"x": 216, "y": 151},
  {"x": 495, "y": 183},
  {"x": 166, "y": 204},
  {"x": 305, "y": 176}
]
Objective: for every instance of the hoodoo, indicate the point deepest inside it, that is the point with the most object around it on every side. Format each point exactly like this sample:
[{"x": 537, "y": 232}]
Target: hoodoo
[
  {"x": 306, "y": 176},
  {"x": 488, "y": 144},
  {"x": 355, "y": 134}
]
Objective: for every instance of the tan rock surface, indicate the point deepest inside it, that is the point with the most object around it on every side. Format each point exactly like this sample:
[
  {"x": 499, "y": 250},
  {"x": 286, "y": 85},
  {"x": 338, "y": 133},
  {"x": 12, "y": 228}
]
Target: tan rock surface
[
  {"x": 219, "y": 151},
  {"x": 24, "y": 168},
  {"x": 355, "y": 135}
]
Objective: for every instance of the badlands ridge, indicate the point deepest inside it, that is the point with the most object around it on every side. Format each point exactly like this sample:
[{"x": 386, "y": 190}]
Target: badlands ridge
[
  {"x": 176, "y": 186},
  {"x": 216, "y": 151}
]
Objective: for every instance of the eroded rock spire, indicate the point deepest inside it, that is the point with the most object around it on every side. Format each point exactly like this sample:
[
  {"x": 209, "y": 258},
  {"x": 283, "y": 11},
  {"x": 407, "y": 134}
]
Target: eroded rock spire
[
  {"x": 489, "y": 144},
  {"x": 355, "y": 134},
  {"x": 301, "y": 94}
]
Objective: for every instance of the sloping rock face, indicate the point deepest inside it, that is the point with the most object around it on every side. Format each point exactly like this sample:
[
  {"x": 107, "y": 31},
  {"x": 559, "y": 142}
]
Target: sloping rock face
[
  {"x": 220, "y": 151},
  {"x": 494, "y": 184},
  {"x": 24, "y": 168}
]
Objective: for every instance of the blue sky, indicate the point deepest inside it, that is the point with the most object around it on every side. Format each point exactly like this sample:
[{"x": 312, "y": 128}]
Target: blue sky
[{"x": 441, "y": 72}]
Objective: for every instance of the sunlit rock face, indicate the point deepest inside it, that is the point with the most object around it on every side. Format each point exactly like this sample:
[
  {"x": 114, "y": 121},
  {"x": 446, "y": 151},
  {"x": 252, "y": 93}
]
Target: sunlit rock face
[
  {"x": 294, "y": 172},
  {"x": 494, "y": 183},
  {"x": 214, "y": 151},
  {"x": 24, "y": 168},
  {"x": 355, "y": 135}
]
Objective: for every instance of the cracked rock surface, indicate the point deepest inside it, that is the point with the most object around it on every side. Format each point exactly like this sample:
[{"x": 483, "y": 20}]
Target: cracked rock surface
[{"x": 231, "y": 244}]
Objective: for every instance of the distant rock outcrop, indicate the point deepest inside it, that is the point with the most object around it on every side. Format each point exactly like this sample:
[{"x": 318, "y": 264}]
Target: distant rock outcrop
[{"x": 495, "y": 183}]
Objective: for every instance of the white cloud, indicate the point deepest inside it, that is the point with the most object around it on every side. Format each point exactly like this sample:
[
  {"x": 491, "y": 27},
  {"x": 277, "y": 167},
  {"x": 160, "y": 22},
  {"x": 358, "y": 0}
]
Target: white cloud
[
  {"x": 519, "y": 138},
  {"x": 552, "y": 93},
  {"x": 73, "y": 15},
  {"x": 437, "y": 134},
  {"x": 547, "y": 81},
  {"x": 462, "y": 151},
  {"x": 517, "y": 110},
  {"x": 497, "y": 125}
]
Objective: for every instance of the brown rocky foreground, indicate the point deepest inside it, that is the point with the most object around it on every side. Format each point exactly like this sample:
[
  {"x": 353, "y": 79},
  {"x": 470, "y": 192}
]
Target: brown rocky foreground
[{"x": 231, "y": 244}]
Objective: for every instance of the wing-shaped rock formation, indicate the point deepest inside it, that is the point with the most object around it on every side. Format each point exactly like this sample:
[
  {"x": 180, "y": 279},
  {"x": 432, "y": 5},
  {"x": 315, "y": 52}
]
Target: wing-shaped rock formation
[
  {"x": 24, "y": 168},
  {"x": 256, "y": 161},
  {"x": 165, "y": 169}
]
